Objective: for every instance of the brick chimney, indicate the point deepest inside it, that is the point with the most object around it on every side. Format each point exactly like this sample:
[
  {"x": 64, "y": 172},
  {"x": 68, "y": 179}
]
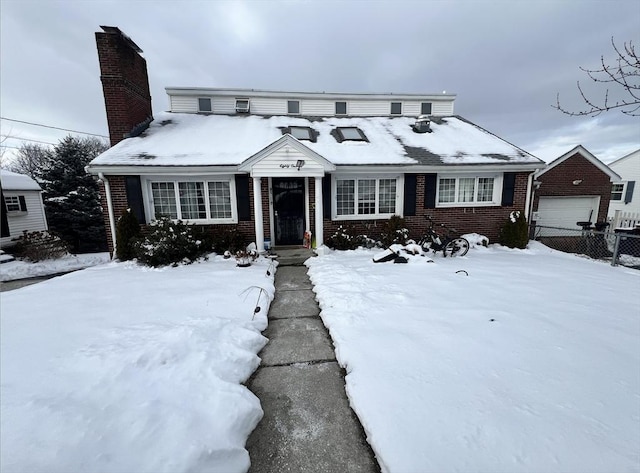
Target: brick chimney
[{"x": 125, "y": 84}]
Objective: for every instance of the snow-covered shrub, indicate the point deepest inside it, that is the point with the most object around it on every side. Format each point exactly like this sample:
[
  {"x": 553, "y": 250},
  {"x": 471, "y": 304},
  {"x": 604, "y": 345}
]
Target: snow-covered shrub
[
  {"x": 343, "y": 239},
  {"x": 394, "y": 231},
  {"x": 515, "y": 231},
  {"x": 127, "y": 230},
  {"x": 169, "y": 243},
  {"x": 38, "y": 246},
  {"x": 228, "y": 240}
]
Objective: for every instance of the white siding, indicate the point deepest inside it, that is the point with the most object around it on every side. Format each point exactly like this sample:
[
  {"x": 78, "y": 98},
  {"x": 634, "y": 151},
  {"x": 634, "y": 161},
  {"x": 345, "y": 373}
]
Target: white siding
[
  {"x": 268, "y": 106},
  {"x": 282, "y": 163},
  {"x": 32, "y": 220},
  {"x": 318, "y": 108},
  {"x": 180, "y": 103},
  {"x": 310, "y": 107},
  {"x": 442, "y": 108},
  {"x": 629, "y": 170}
]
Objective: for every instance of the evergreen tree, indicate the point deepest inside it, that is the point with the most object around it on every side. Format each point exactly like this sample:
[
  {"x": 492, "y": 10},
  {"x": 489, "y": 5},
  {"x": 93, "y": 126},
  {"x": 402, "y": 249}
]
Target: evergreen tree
[{"x": 71, "y": 195}]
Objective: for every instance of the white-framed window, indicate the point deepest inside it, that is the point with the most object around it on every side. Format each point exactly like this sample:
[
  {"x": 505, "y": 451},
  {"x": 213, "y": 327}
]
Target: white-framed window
[
  {"x": 366, "y": 197},
  {"x": 396, "y": 108},
  {"x": 197, "y": 200},
  {"x": 242, "y": 105},
  {"x": 463, "y": 191},
  {"x": 293, "y": 107},
  {"x": 13, "y": 203},
  {"x": 204, "y": 104},
  {"x": 617, "y": 191}
]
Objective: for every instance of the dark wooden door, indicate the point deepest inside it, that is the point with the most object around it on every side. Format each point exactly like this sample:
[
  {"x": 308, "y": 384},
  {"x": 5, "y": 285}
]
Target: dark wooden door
[{"x": 288, "y": 207}]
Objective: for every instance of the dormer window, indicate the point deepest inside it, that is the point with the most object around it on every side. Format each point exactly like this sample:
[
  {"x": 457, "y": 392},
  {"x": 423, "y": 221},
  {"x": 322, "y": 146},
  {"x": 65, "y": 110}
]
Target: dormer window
[
  {"x": 293, "y": 107},
  {"x": 301, "y": 132},
  {"x": 341, "y": 108},
  {"x": 242, "y": 105},
  {"x": 204, "y": 105},
  {"x": 425, "y": 108},
  {"x": 350, "y": 133},
  {"x": 396, "y": 108}
]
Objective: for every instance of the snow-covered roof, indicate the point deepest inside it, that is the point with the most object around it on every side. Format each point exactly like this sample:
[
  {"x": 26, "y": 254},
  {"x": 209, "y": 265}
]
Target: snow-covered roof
[
  {"x": 184, "y": 139},
  {"x": 12, "y": 181}
]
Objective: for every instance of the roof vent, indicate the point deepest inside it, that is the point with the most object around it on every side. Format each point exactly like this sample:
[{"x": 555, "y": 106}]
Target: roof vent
[{"x": 422, "y": 124}]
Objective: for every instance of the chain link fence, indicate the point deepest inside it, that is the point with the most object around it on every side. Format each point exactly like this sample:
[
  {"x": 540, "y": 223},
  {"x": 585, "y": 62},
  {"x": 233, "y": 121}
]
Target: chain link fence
[{"x": 620, "y": 246}]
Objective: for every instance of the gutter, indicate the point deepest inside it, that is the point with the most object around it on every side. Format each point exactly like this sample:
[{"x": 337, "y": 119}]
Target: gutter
[{"x": 112, "y": 220}]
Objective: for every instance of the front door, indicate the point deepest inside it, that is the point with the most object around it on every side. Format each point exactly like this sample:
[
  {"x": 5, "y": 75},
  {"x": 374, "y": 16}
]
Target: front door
[{"x": 288, "y": 209}]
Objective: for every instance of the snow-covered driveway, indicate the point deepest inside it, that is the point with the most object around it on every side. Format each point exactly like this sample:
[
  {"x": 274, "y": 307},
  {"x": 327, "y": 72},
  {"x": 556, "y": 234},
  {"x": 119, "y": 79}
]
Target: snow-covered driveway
[
  {"x": 529, "y": 363},
  {"x": 121, "y": 368}
]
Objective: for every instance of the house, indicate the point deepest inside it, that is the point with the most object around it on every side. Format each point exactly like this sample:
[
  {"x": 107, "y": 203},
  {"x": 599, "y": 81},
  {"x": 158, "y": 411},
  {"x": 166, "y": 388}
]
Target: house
[
  {"x": 576, "y": 187},
  {"x": 22, "y": 207},
  {"x": 275, "y": 164},
  {"x": 624, "y": 207}
]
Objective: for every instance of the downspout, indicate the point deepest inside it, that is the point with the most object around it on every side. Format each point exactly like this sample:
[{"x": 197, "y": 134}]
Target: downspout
[
  {"x": 529, "y": 200},
  {"x": 112, "y": 220}
]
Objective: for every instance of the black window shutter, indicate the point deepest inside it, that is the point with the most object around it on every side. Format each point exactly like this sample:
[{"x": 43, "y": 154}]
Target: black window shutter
[
  {"x": 430, "y": 182},
  {"x": 23, "y": 203},
  {"x": 628, "y": 195},
  {"x": 134, "y": 197},
  {"x": 4, "y": 225},
  {"x": 508, "y": 188},
  {"x": 242, "y": 196},
  {"x": 326, "y": 197},
  {"x": 410, "y": 181}
]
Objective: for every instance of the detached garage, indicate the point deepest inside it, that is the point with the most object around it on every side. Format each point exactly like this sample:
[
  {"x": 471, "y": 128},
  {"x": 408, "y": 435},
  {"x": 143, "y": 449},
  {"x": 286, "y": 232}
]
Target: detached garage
[{"x": 576, "y": 187}]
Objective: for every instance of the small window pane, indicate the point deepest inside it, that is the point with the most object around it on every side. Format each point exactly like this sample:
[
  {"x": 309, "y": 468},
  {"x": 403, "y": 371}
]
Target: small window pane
[
  {"x": 616, "y": 191},
  {"x": 485, "y": 189},
  {"x": 220, "y": 199},
  {"x": 13, "y": 203},
  {"x": 425, "y": 108},
  {"x": 301, "y": 132},
  {"x": 242, "y": 105},
  {"x": 466, "y": 187},
  {"x": 192, "y": 203},
  {"x": 396, "y": 108},
  {"x": 341, "y": 108},
  {"x": 447, "y": 190},
  {"x": 164, "y": 200},
  {"x": 387, "y": 196},
  {"x": 366, "y": 196},
  {"x": 204, "y": 105},
  {"x": 293, "y": 106},
  {"x": 351, "y": 133},
  {"x": 345, "y": 197}
]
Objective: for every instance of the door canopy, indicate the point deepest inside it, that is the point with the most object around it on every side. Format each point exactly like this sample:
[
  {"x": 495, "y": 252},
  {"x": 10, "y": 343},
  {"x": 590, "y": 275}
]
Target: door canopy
[{"x": 287, "y": 157}]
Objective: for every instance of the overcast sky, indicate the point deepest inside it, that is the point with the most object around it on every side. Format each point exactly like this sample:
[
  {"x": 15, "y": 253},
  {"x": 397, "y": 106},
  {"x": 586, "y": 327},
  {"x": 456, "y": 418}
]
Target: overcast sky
[{"x": 505, "y": 60}]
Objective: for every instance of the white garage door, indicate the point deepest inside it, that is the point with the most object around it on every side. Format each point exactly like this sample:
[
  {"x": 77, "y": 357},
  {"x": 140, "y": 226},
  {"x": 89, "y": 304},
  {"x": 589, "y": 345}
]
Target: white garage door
[{"x": 564, "y": 212}]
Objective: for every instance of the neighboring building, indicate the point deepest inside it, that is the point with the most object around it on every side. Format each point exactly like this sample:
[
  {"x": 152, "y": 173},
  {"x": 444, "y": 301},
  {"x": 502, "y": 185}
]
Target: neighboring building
[
  {"x": 574, "y": 188},
  {"x": 625, "y": 197},
  {"x": 277, "y": 164},
  {"x": 22, "y": 207}
]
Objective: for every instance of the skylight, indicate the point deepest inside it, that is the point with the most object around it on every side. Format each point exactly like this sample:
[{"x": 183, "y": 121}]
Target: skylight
[
  {"x": 301, "y": 132},
  {"x": 351, "y": 134}
]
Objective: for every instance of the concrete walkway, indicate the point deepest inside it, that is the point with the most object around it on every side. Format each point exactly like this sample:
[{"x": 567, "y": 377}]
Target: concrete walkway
[{"x": 308, "y": 425}]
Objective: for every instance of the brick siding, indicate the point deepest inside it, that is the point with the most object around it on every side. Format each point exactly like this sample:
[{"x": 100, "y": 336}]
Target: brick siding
[{"x": 558, "y": 181}]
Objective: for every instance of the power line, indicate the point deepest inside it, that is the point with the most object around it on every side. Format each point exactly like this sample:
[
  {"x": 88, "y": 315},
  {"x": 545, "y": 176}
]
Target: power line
[
  {"x": 27, "y": 139},
  {"x": 52, "y": 127}
]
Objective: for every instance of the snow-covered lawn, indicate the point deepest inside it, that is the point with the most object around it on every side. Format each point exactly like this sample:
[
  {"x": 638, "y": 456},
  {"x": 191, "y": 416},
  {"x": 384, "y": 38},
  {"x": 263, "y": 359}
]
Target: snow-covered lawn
[
  {"x": 19, "y": 269},
  {"x": 530, "y": 363},
  {"x": 121, "y": 368}
]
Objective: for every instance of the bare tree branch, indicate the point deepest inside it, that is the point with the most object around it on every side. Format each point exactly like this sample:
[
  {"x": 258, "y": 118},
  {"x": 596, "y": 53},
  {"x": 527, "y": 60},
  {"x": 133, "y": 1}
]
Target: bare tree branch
[{"x": 624, "y": 78}]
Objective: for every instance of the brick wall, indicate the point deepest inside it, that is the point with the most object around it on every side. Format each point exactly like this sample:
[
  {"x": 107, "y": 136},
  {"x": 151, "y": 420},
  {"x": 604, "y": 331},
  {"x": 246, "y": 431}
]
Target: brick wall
[
  {"x": 558, "y": 181},
  {"x": 125, "y": 85},
  {"x": 484, "y": 220}
]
